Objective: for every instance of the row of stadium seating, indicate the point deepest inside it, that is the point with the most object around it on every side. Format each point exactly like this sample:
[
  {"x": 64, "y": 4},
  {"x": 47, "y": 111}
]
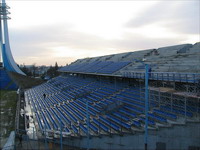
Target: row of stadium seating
[
  {"x": 179, "y": 58},
  {"x": 112, "y": 108},
  {"x": 102, "y": 67}
]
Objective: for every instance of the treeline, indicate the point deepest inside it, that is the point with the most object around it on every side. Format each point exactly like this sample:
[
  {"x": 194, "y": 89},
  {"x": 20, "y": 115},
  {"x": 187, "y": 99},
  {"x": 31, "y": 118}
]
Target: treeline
[{"x": 41, "y": 71}]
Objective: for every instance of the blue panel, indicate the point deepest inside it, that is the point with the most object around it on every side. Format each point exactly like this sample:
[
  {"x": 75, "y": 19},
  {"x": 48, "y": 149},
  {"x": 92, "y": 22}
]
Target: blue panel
[
  {"x": 98, "y": 66},
  {"x": 103, "y": 67},
  {"x": 6, "y": 62},
  {"x": 115, "y": 66},
  {"x": 5, "y": 81}
]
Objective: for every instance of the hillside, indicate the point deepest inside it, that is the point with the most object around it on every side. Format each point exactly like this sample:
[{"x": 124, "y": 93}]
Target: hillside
[{"x": 25, "y": 81}]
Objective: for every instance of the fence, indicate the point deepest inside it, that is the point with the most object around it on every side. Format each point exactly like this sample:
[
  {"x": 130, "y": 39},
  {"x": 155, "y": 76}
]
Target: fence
[
  {"x": 165, "y": 76},
  {"x": 45, "y": 140},
  {"x": 182, "y": 99}
]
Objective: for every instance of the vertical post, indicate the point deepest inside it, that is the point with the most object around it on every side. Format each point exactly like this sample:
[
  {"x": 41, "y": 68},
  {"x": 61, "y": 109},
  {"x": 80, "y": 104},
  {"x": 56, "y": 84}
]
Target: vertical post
[
  {"x": 186, "y": 78},
  {"x": 140, "y": 92},
  {"x": 100, "y": 80},
  {"x": 45, "y": 136},
  {"x": 33, "y": 134},
  {"x": 159, "y": 98},
  {"x": 168, "y": 76},
  {"x": 88, "y": 144},
  {"x": 44, "y": 95},
  {"x": 61, "y": 144},
  {"x": 146, "y": 104},
  {"x": 171, "y": 102},
  {"x": 1, "y": 33},
  {"x": 27, "y": 141},
  {"x": 198, "y": 106},
  {"x": 157, "y": 75},
  {"x": 194, "y": 78},
  {"x": 185, "y": 106},
  {"x": 115, "y": 83}
]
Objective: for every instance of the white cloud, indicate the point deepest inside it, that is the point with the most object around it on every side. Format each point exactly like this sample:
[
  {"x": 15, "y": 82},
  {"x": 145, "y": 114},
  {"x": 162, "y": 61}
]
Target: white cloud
[
  {"x": 43, "y": 32},
  {"x": 177, "y": 16}
]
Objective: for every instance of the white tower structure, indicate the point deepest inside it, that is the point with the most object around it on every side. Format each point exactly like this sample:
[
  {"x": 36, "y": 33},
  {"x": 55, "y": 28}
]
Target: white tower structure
[{"x": 8, "y": 61}]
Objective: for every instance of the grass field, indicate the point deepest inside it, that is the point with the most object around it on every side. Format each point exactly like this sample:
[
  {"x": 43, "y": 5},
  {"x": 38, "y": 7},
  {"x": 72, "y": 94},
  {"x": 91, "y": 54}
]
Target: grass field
[{"x": 8, "y": 102}]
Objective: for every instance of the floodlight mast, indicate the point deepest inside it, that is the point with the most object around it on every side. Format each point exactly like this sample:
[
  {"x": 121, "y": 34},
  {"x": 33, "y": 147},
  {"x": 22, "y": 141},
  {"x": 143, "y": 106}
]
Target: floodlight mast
[
  {"x": 8, "y": 60},
  {"x": 4, "y": 10}
]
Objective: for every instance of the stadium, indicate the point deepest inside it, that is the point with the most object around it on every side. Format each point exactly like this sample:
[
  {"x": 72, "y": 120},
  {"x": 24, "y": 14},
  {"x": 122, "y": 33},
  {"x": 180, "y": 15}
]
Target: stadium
[
  {"x": 106, "y": 95},
  {"x": 147, "y": 99}
]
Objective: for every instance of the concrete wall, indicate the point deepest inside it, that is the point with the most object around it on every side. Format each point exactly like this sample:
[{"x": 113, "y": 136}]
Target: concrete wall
[{"x": 179, "y": 137}]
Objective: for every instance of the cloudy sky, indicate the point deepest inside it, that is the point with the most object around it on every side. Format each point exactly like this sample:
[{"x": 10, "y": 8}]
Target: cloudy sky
[{"x": 43, "y": 32}]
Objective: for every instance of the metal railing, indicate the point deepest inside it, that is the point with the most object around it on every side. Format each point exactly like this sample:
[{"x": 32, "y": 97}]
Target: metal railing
[{"x": 165, "y": 76}]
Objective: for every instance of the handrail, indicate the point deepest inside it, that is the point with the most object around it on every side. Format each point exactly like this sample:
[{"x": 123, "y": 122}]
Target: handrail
[{"x": 165, "y": 76}]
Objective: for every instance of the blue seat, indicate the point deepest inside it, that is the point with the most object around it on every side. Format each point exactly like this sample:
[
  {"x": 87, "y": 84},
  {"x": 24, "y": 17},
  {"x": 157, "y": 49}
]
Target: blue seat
[
  {"x": 95, "y": 129},
  {"x": 112, "y": 67},
  {"x": 83, "y": 128},
  {"x": 136, "y": 123},
  {"x": 127, "y": 113},
  {"x": 94, "y": 108},
  {"x": 92, "y": 98},
  {"x": 114, "y": 126},
  {"x": 39, "y": 121},
  {"x": 66, "y": 129},
  {"x": 59, "y": 119},
  {"x": 105, "y": 92},
  {"x": 63, "y": 116},
  {"x": 161, "y": 119},
  {"x": 81, "y": 112},
  {"x": 170, "y": 115},
  {"x": 55, "y": 100},
  {"x": 103, "y": 103},
  {"x": 132, "y": 101},
  {"x": 178, "y": 111},
  {"x": 69, "y": 114},
  {"x": 95, "y": 96},
  {"x": 78, "y": 102},
  {"x": 108, "y": 89},
  {"x": 49, "y": 116},
  {"x": 131, "y": 95},
  {"x": 118, "y": 121},
  {"x": 74, "y": 129},
  {"x": 46, "y": 123},
  {"x": 68, "y": 96},
  {"x": 134, "y": 104},
  {"x": 134, "y": 109},
  {"x": 150, "y": 122},
  {"x": 105, "y": 128},
  {"x": 121, "y": 116},
  {"x": 73, "y": 112}
]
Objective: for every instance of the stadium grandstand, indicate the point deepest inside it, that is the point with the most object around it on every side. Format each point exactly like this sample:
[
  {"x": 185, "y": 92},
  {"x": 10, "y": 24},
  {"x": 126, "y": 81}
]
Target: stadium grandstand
[
  {"x": 99, "y": 103},
  {"x": 147, "y": 99}
]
